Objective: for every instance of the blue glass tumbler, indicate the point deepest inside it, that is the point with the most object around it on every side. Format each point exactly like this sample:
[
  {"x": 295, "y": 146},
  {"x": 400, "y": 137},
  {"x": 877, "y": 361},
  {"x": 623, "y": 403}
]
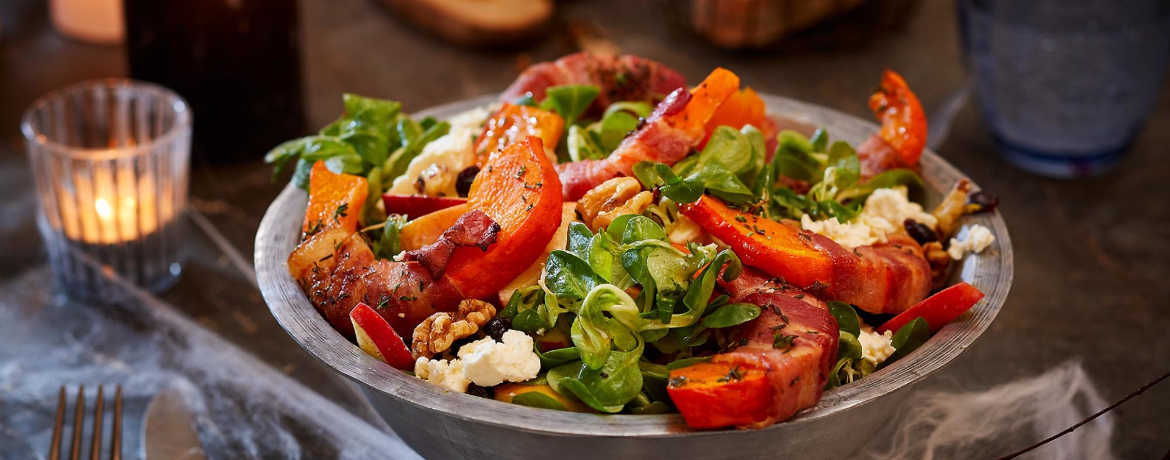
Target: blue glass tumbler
[{"x": 1064, "y": 86}]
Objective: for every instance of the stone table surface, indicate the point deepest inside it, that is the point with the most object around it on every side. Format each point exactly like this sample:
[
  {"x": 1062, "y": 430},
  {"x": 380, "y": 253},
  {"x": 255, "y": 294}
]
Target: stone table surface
[{"x": 1092, "y": 255}]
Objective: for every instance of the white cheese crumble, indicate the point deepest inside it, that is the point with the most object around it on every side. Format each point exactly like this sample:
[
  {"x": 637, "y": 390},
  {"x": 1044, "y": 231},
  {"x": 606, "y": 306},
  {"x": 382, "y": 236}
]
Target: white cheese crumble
[
  {"x": 488, "y": 362},
  {"x": 887, "y": 209},
  {"x": 975, "y": 239},
  {"x": 876, "y": 348},
  {"x": 483, "y": 362},
  {"x": 849, "y": 234},
  {"x": 447, "y": 374},
  {"x": 885, "y": 212},
  {"x": 440, "y": 162}
]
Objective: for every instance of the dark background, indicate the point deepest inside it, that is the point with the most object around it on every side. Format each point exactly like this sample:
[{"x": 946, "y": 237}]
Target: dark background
[{"x": 1091, "y": 254}]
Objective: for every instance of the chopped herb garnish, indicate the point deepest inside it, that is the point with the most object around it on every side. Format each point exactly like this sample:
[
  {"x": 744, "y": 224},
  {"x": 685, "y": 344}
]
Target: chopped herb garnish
[
  {"x": 733, "y": 374},
  {"x": 677, "y": 382},
  {"x": 383, "y": 301},
  {"x": 780, "y": 340},
  {"x": 313, "y": 229},
  {"x": 340, "y": 212},
  {"x": 407, "y": 298},
  {"x": 741, "y": 218},
  {"x": 330, "y": 256}
]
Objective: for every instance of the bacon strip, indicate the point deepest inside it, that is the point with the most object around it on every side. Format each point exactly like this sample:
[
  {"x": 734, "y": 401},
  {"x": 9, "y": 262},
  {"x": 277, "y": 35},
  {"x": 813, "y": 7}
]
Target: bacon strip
[
  {"x": 878, "y": 156},
  {"x": 404, "y": 293},
  {"x": 885, "y": 278},
  {"x": 473, "y": 228},
  {"x": 798, "y": 372},
  {"x": 624, "y": 78}
]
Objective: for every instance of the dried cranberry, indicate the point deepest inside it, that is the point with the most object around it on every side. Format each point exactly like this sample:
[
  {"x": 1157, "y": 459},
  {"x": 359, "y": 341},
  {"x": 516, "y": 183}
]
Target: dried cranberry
[
  {"x": 919, "y": 231},
  {"x": 497, "y": 327},
  {"x": 983, "y": 201},
  {"x": 463, "y": 182},
  {"x": 476, "y": 390}
]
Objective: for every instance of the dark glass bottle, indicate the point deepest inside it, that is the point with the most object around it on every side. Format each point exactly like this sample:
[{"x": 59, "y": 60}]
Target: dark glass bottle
[{"x": 237, "y": 62}]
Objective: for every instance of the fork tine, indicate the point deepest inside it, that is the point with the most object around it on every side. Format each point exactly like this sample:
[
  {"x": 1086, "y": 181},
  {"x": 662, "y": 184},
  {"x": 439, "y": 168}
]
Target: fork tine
[
  {"x": 116, "y": 442},
  {"x": 78, "y": 415},
  {"x": 95, "y": 449},
  {"x": 55, "y": 448}
]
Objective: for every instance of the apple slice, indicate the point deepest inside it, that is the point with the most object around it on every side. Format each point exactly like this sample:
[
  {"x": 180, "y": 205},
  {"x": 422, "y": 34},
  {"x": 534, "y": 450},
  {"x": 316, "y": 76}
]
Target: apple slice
[
  {"x": 413, "y": 206},
  {"x": 376, "y": 337}
]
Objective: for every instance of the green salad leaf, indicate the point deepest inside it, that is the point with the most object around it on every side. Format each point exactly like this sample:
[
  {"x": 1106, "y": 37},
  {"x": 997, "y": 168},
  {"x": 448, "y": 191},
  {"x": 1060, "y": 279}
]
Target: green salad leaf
[
  {"x": 726, "y": 167},
  {"x": 583, "y": 144},
  {"x": 606, "y": 388},
  {"x": 386, "y": 246},
  {"x": 570, "y": 101},
  {"x": 684, "y": 362},
  {"x": 907, "y": 339},
  {"x": 614, "y": 127},
  {"x": 732, "y": 314},
  {"x": 398, "y": 161},
  {"x": 846, "y": 317},
  {"x": 538, "y": 400},
  {"x": 848, "y": 346},
  {"x": 554, "y": 358},
  {"x": 567, "y": 276}
]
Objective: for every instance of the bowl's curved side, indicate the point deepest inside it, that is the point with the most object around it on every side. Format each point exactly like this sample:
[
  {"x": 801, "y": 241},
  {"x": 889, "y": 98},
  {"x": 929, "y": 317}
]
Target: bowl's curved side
[{"x": 279, "y": 231}]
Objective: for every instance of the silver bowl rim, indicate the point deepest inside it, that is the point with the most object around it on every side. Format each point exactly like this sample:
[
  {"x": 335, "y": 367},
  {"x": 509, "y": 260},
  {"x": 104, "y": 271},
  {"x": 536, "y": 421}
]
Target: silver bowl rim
[{"x": 991, "y": 271}]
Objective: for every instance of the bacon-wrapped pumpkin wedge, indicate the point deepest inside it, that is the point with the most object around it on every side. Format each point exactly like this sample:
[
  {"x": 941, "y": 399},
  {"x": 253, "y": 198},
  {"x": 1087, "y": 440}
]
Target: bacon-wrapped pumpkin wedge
[
  {"x": 902, "y": 137},
  {"x": 620, "y": 78},
  {"x": 337, "y": 269},
  {"x": 519, "y": 189},
  {"x": 779, "y": 368},
  {"x": 884, "y": 278},
  {"x": 677, "y": 125}
]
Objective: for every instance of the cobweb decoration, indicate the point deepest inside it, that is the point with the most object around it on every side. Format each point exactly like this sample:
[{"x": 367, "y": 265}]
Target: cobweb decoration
[
  {"x": 942, "y": 424},
  {"x": 245, "y": 408}
]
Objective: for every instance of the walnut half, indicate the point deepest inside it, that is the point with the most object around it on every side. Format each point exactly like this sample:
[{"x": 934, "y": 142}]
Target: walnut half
[
  {"x": 614, "y": 197},
  {"x": 436, "y": 333}
]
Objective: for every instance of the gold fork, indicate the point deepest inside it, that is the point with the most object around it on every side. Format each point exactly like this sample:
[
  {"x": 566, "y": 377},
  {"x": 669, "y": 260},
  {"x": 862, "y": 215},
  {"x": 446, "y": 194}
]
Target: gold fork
[{"x": 78, "y": 423}]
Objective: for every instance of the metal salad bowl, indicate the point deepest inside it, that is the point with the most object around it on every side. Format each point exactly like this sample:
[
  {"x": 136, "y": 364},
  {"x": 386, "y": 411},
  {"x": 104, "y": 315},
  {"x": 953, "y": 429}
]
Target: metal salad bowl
[{"x": 445, "y": 425}]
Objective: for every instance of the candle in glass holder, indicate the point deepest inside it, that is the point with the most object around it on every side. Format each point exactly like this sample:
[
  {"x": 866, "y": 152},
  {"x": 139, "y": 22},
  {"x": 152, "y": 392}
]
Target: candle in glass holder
[{"x": 111, "y": 160}]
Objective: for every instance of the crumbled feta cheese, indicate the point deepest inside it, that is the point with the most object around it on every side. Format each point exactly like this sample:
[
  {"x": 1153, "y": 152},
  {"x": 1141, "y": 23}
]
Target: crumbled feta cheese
[
  {"x": 434, "y": 170},
  {"x": 885, "y": 212},
  {"x": 975, "y": 239},
  {"x": 891, "y": 207},
  {"x": 487, "y": 362},
  {"x": 447, "y": 374},
  {"x": 876, "y": 348},
  {"x": 850, "y": 234}
]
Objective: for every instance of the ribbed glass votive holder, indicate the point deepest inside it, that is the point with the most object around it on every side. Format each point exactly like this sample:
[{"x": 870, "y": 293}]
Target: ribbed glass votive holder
[{"x": 111, "y": 160}]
